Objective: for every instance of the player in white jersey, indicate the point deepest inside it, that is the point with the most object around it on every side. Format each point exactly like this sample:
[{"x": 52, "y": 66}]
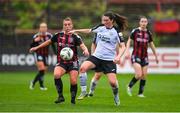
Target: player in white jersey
[
  {"x": 97, "y": 75},
  {"x": 104, "y": 54}
]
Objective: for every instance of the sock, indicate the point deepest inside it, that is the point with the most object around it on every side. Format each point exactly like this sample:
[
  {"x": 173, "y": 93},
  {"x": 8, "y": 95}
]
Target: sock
[
  {"x": 73, "y": 90},
  {"x": 141, "y": 86},
  {"x": 115, "y": 92},
  {"x": 38, "y": 76},
  {"x": 41, "y": 78},
  {"x": 115, "y": 88},
  {"x": 59, "y": 86},
  {"x": 132, "y": 82},
  {"x": 83, "y": 79},
  {"x": 93, "y": 85}
]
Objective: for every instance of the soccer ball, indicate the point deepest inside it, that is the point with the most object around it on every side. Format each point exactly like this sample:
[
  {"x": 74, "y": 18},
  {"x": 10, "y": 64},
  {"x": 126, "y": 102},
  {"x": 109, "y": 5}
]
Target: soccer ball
[{"x": 66, "y": 53}]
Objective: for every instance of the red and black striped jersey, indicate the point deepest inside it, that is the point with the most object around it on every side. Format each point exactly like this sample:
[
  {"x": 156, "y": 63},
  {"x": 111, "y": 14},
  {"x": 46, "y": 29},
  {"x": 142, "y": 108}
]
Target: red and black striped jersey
[
  {"x": 140, "y": 42},
  {"x": 45, "y": 50},
  {"x": 67, "y": 40}
]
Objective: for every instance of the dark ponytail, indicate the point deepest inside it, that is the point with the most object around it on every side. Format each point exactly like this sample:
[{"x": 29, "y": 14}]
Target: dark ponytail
[{"x": 121, "y": 21}]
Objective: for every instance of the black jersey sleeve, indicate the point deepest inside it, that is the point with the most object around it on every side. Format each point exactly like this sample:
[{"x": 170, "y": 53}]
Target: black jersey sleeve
[
  {"x": 95, "y": 29},
  {"x": 120, "y": 35},
  {"x": 33, "y": 44},
  {"x": 78, "y": 39},
  {"x": 150, "y": 36},
  {"x": 49, "y": 35},
  {"x": 55, "y": 37},
  {"x": 132, "y": 34}
]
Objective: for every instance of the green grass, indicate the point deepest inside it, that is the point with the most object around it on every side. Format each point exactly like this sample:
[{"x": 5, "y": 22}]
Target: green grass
[{"x": 162, "y": 94}]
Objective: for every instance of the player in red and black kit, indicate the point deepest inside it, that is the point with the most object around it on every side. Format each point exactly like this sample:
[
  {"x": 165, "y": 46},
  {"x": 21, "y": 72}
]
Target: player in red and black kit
[
  {"x": 41, "y": 55},
  {"x": 140, "y": 37},
  {"x": 65, "y": 39}
]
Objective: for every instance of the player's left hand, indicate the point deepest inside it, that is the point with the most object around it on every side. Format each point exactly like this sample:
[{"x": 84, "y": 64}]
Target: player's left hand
[
  {"x": 86, "y": 52},
  {"x": 116, "y": 60},
  {"x": 33, "y": 49}
]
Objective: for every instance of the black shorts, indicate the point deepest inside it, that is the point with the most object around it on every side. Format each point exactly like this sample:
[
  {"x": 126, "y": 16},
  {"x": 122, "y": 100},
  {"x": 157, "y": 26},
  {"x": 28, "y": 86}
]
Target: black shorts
[
  {"x": 103, "y": 65},
  {"x": 69, "y": 66},
  {"x": 42, "y": 58},
  {"x": 143, "y": 62},
  {"x": 97, "y": 69}
]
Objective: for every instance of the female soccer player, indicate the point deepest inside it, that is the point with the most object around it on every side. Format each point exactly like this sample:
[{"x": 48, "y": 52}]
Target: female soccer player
[
  {"x": 104, "y": 54},
  {"x": 98, "y": 71},
  {"x": 140, "y": 37},
  {"x": 41, "y": 55},
  {"x": 65, "y": 39}
]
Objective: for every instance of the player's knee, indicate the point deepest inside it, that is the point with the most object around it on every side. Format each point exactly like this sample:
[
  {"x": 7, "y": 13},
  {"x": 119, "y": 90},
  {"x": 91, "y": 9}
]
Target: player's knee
[
  {"x": 83, "y": 69},
  {"x": 57, "y": 76},
  {"x": 113, "y": 84},
  {"x": 143, "y": 76},
  {"x": 138, "y": 75},
  {"x": 73, "y": 81},
  {"x": 97, "y": 77},
  {"x": 41, "y": 67}
]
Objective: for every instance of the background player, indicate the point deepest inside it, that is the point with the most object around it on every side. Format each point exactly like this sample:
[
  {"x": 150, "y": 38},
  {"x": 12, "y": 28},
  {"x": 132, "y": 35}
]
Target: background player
[
  {"x": 140, "y": 37},
  {"x": 41, "y": 55}
]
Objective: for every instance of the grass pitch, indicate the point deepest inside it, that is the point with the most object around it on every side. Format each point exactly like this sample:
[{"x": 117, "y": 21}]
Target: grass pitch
[{"x": 162, "y": 94}]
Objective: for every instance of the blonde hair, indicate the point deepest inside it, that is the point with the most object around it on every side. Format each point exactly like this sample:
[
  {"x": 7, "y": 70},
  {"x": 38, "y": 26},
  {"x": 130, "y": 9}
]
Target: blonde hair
[{"x": 42, "y": 24}]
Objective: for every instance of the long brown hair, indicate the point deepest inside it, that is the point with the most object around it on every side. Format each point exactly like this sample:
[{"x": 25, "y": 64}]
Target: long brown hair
[{"x": 120, "y": 20}]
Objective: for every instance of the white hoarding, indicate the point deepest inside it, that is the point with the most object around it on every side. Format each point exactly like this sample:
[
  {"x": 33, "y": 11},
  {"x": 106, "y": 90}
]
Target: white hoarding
[{"x": 169, "y": 62}]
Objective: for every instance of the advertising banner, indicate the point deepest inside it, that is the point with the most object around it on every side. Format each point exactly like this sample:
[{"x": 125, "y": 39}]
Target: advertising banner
[{"x": 169, "y": 62}]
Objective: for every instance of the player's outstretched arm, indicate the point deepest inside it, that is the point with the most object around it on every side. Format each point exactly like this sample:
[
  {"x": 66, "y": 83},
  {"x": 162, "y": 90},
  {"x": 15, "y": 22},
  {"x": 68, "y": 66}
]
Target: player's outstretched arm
[
  {"x": 80, "y": 31},
  {"x": 46, "y": 43}
]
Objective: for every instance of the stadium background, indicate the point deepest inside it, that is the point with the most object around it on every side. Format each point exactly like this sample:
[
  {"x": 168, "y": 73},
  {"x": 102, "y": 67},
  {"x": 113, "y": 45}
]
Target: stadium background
[{"x": 19, "y": 20}]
